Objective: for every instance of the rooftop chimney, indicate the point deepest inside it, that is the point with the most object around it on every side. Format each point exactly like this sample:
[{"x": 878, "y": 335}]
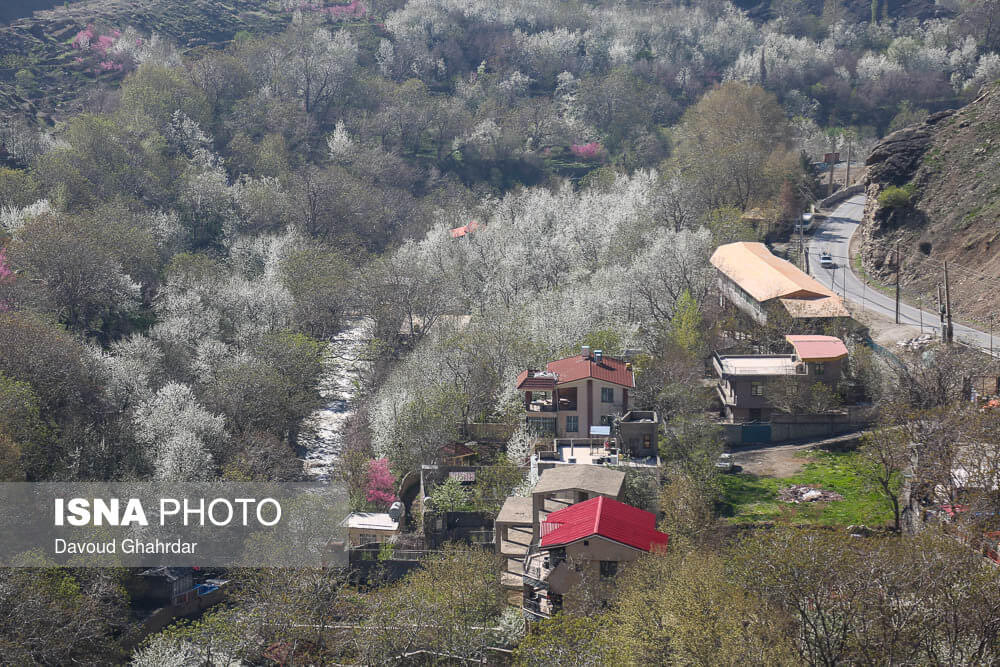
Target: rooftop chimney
[
  {"x": 585, "y": 351},
  {"x": 598, "y": 356}
]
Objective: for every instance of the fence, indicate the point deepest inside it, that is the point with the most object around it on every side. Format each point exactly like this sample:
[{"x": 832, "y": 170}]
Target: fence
[
  {"x": 784, "y": 428},
  {"x": 486, "y": 432}
]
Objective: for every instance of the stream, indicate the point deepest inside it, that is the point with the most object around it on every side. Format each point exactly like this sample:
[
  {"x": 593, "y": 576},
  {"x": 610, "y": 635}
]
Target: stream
[{"x": 325, "y": 427}]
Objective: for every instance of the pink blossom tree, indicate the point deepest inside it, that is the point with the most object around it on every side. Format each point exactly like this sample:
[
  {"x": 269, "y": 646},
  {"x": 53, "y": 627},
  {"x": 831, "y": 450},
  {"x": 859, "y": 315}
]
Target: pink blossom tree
[
  {"x": 6, "y": 273},
  {"x": 590, "y": 151},
  {"x": 7, "y": 277},
  {"x": 380, "y": 486}
]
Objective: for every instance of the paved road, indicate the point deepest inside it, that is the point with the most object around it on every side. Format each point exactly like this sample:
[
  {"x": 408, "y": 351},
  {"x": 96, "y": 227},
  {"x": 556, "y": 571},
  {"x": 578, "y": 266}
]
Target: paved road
[{"x": 834, "y": 235}]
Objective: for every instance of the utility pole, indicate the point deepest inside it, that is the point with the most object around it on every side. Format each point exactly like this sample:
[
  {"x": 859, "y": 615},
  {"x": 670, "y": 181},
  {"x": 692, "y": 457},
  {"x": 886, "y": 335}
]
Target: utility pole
[
  {"x": 805, "y": 217},
  {"x": 850, "y": 145},
  {"x": 920, "y": 306},
  {"x": 897, "y": 282},
  {"x": 991, "y": 336},
  {"x": 947, "y": 302},
  {"x": 940, "y": 306},
  {"x": 829, "y": 187}
]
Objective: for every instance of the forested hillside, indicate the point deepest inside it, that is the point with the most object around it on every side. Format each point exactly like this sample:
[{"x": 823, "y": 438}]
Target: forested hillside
[{"x": 197, "y": 197}]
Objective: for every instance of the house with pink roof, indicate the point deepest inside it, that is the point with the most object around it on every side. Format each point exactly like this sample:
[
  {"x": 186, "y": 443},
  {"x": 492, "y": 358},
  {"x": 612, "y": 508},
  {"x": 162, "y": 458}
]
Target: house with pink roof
[{"x": 745, "y": 381}]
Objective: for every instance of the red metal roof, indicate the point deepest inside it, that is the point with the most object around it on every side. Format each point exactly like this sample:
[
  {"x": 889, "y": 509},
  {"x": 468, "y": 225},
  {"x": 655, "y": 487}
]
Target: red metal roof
[
  {"x": 579, "y": 367},
  {"x": 531, "y": 381},
  {"x": 459, "y": 232},
  {"x": 818, "y": 348},
  {"x": 605, "y": 517}
]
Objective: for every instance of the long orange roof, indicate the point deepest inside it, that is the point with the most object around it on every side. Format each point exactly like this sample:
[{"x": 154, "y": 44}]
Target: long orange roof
[{"x": 764, "y": 276}]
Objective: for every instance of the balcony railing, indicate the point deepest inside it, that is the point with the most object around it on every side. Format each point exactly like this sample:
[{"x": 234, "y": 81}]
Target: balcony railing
[
  {"x": 537, "y": 565},
  {"x": 539, "y": 608}
]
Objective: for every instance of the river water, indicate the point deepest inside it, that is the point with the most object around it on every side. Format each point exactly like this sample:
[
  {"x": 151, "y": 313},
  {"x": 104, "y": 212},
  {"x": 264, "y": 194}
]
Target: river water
[{"x": 324, "y": 429}]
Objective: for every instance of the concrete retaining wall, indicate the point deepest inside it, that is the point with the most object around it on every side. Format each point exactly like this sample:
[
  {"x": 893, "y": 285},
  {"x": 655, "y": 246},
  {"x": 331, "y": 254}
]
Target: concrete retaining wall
[
  {"x": 841, "y": 195},
  {"x": 785, "y": 428}
]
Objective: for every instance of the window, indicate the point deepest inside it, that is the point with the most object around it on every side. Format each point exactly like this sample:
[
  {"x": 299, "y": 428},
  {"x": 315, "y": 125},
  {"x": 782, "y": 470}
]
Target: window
[
  {"x": 607, "y": 395},
  {"x": 541, "y": 425},
  {"x": 557, "y": 556},
  {"x": 819, "y": 368},
  {"x": 572, "y": 424},
  {"x": 756, "y": 389},
  {"x": 609, "y": 568}
]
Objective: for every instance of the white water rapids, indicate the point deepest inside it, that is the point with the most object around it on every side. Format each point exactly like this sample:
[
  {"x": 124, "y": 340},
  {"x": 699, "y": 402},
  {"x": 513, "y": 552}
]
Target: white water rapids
[{"x": 323, "y": 430}]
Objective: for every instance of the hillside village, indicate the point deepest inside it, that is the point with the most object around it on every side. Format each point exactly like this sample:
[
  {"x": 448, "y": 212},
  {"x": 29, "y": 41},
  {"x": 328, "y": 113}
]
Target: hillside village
[{"x": 577, "y": 333}]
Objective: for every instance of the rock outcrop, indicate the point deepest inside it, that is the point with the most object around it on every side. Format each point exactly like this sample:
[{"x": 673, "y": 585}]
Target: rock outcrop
[{"x": 947, "y": 206}]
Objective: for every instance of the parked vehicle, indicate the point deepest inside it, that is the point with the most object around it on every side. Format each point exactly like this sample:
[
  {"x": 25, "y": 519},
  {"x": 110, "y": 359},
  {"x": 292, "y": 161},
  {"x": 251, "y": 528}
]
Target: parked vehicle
[{"x": 725, "y": 462}]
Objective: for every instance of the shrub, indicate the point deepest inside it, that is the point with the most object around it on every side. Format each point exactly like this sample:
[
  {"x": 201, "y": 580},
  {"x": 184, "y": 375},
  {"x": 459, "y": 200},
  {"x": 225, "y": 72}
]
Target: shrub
[{"x": 895, "y": 197}]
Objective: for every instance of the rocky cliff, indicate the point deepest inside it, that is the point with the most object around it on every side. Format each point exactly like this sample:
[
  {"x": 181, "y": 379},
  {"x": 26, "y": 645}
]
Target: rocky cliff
[{"x": 935, "y": 189}]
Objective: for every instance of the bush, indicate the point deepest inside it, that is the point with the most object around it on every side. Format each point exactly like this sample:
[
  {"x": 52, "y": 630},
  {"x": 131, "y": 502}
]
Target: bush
[{"x": 895, "y": 197}]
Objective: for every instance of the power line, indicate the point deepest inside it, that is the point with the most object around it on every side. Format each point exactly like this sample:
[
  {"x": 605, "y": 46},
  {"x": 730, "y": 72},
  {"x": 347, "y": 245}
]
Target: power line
[{"x": 939, "y": 264}]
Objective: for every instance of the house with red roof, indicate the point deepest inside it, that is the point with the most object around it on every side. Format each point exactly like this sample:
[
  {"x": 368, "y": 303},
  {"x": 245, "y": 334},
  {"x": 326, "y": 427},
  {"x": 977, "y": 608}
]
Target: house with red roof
[
  {"x": 572, "y": 395},
  {"x": 464, "y": 230},
  {"x": 747, "y": 381},
  {"x": 581, "y": 548}
]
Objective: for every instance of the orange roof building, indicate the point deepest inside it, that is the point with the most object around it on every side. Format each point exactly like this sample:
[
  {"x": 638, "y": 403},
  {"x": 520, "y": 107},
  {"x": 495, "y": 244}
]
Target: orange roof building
[
  {"x": 459, "y": 232},
  {"x": 818, "y": 349},
  {"x": 753, "y": 279},
  {"x": 574, "y": 394}
]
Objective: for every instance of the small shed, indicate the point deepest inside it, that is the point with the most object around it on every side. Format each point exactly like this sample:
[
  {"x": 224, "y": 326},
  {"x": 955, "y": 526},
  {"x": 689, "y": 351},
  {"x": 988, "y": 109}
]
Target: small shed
[{"x": 370, "y": 527}]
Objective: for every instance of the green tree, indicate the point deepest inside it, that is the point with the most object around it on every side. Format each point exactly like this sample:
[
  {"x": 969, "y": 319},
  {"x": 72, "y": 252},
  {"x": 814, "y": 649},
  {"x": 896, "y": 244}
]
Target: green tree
[
  {"x": 58, "y": 616},
  {"x": 105, "y": 159},
  {"x": 564, "y": 641},
  {"x": 74, "y": 268},
  {"x": 881, "y": 460},
  {"x": 272, "y": 390},
  {"x": 158, "y": 92},
  {"x": 450, "y": 605},
  {"x": 494, "y": 483},
  {"x": 694, "y": 615},
  {"x": 17, "y": 188},
  {"x": 733, "y": 146},
  {"x": 450, "y": 496},
  {"x": 26, "y": 442},
  {"x": 686, "y": 329},
  {"x": 728, "y": 225}
]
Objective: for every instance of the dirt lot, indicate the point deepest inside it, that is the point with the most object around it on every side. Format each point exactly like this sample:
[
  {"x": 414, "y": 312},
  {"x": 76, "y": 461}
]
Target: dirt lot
[
  {"x": 779, "y": 460},
  {"x": 771, "y": 461}
]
